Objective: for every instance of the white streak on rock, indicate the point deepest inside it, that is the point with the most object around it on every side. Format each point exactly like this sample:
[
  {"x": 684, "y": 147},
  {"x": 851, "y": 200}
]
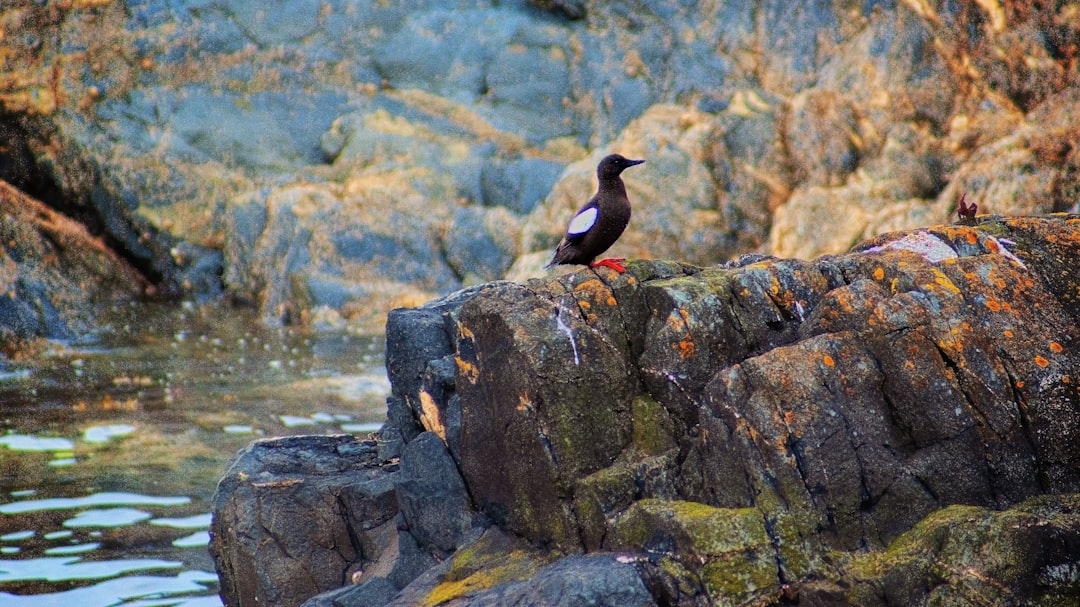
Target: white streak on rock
[
  {"x": 565, "y": 329},
  {"x": 1002, "y": 242}
]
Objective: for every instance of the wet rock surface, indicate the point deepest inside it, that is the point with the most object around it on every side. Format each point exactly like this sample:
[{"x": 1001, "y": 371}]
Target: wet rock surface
[{"x": 769, "y": 432}]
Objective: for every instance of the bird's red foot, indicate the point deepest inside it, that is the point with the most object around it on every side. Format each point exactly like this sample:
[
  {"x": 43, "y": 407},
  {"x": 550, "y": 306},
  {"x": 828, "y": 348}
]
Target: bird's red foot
[{"x": 612, "y": 263}]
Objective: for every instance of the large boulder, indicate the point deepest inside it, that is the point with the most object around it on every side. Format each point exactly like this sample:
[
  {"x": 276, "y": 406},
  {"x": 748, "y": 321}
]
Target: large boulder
[
  {"x": 297, "y": 516},
  {"x": 861, "y": 392},
  {"x": 764, "y": 432}
]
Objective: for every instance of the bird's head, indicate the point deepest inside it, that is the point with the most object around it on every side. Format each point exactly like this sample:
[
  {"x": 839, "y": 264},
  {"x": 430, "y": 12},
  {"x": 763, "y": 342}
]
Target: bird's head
[{"x": 612, "y": 165}]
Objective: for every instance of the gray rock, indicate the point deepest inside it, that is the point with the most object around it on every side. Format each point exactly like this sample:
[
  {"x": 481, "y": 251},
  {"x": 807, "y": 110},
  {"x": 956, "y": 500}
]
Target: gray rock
[
  {"x": 598, "y": 580},
  {"x": 277, "y": 22},
  {"x": 432, "y": 497},
  {"x": 481, "y": 243},
  {"x": 444, "y": 51},
  {"x": 571, "y": 9},
  {"x": 378, "y": 591},
  {"x": 518, "y": 185},
  {"x": 529, "y": 80},
  {"x": 291, "y": 516},
  {"x": 267, "y": 133},
  {"x": 411, "y": 561},
  {"x": 415, "y": 336}
]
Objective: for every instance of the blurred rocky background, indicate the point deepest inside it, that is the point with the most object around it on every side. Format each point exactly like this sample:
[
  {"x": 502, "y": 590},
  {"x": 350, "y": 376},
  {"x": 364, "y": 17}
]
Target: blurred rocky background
[{"x": 325, "y": 160}]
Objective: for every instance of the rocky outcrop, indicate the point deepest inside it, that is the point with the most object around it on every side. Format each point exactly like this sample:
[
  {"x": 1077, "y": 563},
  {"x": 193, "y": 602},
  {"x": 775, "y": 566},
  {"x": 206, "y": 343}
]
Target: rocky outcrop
[
  {"x": 56, "y": 279},
  {"x": 842, "y": 431},
  {"x": 333, "y": 159}
]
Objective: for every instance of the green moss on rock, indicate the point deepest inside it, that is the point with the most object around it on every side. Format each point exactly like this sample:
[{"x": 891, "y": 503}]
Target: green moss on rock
[
  {"x": 492, "y": 560},
  {"x": 965, "y": 555},
  {"x": 513, "y": 567},
  {"x": 797, "y": 555},
  {"x": 598, "y": 496},
  {"x": 653, "y": 431},
  {"x": 728, "y": 548}
]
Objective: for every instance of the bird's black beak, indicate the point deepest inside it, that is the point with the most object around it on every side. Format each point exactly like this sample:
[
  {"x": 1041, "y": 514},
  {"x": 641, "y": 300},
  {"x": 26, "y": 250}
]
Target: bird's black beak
[{"x": 631, "y": 163}]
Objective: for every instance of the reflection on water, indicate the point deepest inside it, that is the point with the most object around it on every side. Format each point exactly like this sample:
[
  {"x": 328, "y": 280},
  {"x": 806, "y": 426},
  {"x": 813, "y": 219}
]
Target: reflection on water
[
  {"x": 110, "y": 449},
  {"x": 129, "y": 591}
]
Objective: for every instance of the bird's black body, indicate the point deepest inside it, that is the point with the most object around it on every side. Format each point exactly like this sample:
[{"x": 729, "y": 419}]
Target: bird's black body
[{"x": 598, "y": 224}]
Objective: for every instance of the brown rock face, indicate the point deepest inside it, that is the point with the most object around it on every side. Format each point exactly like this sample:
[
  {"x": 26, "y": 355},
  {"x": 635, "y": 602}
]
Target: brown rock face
[
  {"x": 866, "y": 390},
  {"x": 547, "y": 432},
  {"x": 842, "y": 400}
]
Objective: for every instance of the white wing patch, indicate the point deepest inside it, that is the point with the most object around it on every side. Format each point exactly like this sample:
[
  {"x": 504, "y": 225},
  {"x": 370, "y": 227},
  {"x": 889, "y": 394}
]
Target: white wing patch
[{"x": 582, "y": 222}]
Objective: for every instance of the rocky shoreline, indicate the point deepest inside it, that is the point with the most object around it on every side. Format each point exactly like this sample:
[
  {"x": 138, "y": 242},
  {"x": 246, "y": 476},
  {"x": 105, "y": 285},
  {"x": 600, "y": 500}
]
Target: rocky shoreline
[
  {"x": 895, "y": 425},
  {"x": 808, "y": 423}
]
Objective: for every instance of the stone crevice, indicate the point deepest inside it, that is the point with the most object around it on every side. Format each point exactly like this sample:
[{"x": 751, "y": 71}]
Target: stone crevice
[
  {"x": 1023, "y": 414},
  {"x": 352, "y": 533}
]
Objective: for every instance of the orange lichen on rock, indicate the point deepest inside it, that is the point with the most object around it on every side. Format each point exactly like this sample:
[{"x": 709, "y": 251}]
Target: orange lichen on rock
[
  {"x": 596, "y": 291},
  {"x": 680, "y": 322},
  {"x": 592, "y": 285},
  {"x": 686, "y": 347},
  {"x": 467, "y": 369},
  {"x": 942, "y": 280},
  {"x": 430, "y": 417}
]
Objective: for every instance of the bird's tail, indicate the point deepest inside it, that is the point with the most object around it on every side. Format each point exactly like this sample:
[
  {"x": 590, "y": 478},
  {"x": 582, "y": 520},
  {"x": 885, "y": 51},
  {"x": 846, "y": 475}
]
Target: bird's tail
[{"x": 559, "y": 256}]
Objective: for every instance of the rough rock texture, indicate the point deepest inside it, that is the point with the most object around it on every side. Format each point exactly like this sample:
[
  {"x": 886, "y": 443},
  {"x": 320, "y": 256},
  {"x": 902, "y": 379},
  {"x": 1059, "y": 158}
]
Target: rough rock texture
[
  {"x": 861, "y": 392},
  {"x": 336, "y": 158},
  {"x": 55, "y": 278},
  {"x": 307, "y": 510},
  {"x": 895, "y": 425},
  {"x": 1041, "y": 537},
  {"x": 497, "y": 569}
]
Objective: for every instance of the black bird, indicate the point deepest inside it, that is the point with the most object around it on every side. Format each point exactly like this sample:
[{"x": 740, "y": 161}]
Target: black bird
[{"x": 601, "y": 221}]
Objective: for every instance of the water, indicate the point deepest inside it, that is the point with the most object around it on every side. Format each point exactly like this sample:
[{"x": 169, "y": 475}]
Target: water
[{"x": 110, "y": 448}]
